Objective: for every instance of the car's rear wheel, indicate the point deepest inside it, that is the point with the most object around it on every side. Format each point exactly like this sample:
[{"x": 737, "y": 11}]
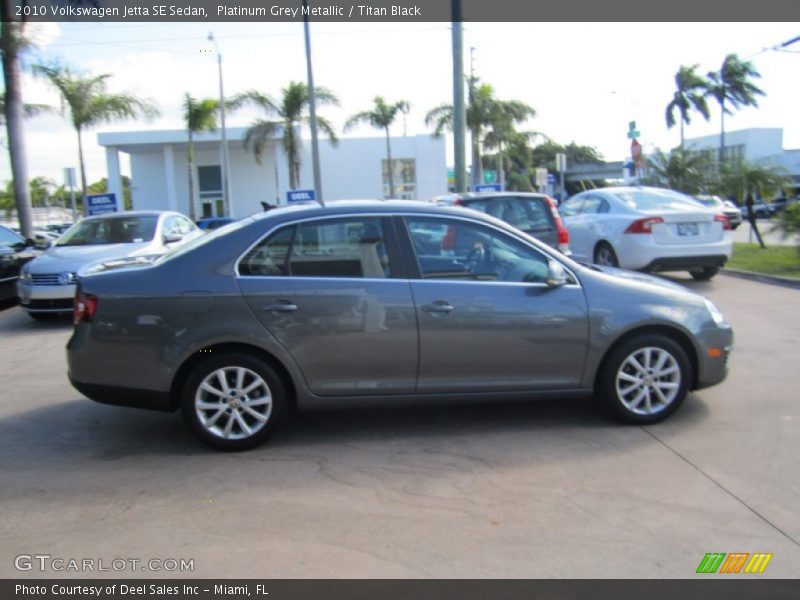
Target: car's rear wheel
[
  {"x": 704, "y": 273},
  {"x": 645, "y": 379},
  {"x": 604, "y": 255},
  {"x": 233, "y": 401}
]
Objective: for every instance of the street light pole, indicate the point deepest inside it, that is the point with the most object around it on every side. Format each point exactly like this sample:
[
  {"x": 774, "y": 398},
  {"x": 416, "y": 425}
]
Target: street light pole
[
  {"x": 459, "y": 110},
  {"x": 226, "y": 165},
  {"x": 312, "y": 106}
]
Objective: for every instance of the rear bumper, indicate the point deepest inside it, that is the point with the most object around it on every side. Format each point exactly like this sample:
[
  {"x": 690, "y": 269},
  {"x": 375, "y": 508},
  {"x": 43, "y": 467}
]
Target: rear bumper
[
  {"x": 120, "y": 396},
  {"x": 685, "y": 263}
]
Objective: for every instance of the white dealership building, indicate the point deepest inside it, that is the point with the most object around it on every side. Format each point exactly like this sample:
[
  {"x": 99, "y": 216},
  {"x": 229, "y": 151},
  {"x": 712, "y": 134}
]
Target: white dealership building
[{"x": 355, "y": 168}]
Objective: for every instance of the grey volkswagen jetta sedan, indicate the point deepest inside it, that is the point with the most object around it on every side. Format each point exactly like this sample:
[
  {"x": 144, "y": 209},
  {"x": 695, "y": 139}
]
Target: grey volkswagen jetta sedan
[{"x": 307, "y": 305}]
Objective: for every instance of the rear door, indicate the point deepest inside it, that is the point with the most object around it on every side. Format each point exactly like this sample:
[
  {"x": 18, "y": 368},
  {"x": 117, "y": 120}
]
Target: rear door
[
  {"x": 487, "y": 320},
  {"x": 332, "y": 291}
]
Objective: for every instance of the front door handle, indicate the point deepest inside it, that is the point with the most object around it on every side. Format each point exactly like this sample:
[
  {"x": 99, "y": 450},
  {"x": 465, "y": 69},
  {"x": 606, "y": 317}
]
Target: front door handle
[
  {"x": 281, "y": 306},
  {"x": 440, "y": 306}
]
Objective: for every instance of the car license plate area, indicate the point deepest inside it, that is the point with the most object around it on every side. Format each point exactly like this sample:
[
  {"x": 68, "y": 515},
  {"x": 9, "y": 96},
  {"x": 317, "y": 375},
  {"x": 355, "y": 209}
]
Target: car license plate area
[{"x": 688, "y": 229}]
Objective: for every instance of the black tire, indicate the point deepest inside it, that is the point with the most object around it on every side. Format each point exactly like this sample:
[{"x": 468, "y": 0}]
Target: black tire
[
  {"x": 604, "y": 255},
  {"x": 704, "y": 273},
  {"x": 237, "y": 438},
  {"x": 616, "y": 366}
]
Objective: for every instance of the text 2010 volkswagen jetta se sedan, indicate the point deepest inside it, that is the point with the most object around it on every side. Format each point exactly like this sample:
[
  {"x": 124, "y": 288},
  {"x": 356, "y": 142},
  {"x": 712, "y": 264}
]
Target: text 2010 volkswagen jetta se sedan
[{"x": 308, "y": 305}]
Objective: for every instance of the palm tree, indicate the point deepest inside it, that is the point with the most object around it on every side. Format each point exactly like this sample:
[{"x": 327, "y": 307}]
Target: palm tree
[
  {"x": 505, "y": 115},
  {"x": 732, "y": 84},
  {"x": 381, "y": 117},
  {"x": 290, "y": 114},
  {"x": 199, "y": 115},
  {"x": 682, "y": 170},
  {"x": 89, "y": 103},
  {"x": 690, "y": 93},
  {"x": 12, "y": 45},
  {"x": 28, "y": 110},
  {"x": 481, "y": 114}
]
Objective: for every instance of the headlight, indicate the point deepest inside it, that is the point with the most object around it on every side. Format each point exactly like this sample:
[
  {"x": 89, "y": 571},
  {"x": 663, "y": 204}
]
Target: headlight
[
  {"x": 25, "y": 276},
  {"x": 719, "y": 319}
]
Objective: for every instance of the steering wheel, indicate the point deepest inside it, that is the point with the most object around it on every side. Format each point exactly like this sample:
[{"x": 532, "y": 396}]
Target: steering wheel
[{"x": 475, "y": 258}]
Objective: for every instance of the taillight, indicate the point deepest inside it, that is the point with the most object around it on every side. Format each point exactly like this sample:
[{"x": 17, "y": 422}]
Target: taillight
[
  {"x": 643, "y": 225},
  {"x": 563, "y": 234},
  {"x": 458, "y": 202},
  {"x": 84, "y": 307},
  {"x": 726, "y": 222}
]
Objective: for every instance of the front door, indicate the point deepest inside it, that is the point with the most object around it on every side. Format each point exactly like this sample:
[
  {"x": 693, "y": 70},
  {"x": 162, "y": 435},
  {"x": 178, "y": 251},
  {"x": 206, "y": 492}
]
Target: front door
[
  {"x": 487, "y": 319},
  {"x": 329, "y": 292}
]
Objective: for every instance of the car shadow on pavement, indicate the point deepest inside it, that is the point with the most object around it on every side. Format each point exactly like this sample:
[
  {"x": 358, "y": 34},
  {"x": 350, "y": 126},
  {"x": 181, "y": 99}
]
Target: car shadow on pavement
[{"x": 83, "y": 431}]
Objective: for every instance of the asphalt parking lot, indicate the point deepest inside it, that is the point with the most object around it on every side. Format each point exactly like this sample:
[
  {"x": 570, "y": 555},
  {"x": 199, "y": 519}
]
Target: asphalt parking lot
[{"x": 543, "y": 489}]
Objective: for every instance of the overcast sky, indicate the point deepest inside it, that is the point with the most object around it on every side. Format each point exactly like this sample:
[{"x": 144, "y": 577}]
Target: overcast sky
[{"x": 585, "y": 80}]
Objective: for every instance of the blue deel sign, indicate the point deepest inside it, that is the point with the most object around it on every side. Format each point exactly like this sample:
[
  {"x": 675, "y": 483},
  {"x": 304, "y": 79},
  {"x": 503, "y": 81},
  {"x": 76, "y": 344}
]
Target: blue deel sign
[
  {"x": 99, "y": 204},
  {"x": 489, "y": 187},
  {"x": 293, "y": 196}
]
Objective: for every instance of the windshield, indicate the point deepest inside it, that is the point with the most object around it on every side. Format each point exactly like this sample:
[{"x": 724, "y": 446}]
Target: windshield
[
  {"x": 202, "y": 240},
  {"x": 9, "y": 238},
  {"x": 113, "y": 230},
  {"x": 655, "y": 199}
]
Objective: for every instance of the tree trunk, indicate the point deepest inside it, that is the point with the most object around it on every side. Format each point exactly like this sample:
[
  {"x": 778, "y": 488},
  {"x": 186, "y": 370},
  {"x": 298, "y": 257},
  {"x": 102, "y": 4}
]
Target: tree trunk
[
  {"x": 290, "y": 147},
  {"x": 477, "y": 167},
  {"x": 722, "y": 133},
  {"x": 192, "y": 211},
  {"x": 14, "y": 116},
  {"x": 681, "y": 134},
  {"x": 83, "y": 166},
  {"x": 501, "y": 170},
  {"x": 390, "y": 165}
]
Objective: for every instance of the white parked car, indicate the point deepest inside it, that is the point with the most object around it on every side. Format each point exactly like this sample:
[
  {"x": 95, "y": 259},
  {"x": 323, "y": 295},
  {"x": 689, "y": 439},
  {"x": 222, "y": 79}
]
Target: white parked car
[
  {"x": 47, "y": 284},
  {"x": 647, "y": 229}
]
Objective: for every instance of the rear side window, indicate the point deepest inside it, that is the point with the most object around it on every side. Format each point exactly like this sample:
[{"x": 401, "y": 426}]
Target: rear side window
[{"x": 348, "y": 248}]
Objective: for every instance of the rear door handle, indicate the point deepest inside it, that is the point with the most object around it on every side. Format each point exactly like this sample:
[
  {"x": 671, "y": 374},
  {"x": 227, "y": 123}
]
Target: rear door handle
[
  {"x": 282, "y": 306},
  {"x": 440, "y": 306}
]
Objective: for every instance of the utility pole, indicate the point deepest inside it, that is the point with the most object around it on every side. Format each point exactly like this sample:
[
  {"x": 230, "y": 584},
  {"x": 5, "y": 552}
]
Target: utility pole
[
  {"x": 312, "y": 104},
  {"x": 459, "y": 112}
]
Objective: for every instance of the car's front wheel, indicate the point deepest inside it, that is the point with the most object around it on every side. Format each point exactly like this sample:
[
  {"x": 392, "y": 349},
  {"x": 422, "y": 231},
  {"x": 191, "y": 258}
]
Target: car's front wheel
[
  {"x": 233, "y": 401},
  {"x": 645, "y": 379}
]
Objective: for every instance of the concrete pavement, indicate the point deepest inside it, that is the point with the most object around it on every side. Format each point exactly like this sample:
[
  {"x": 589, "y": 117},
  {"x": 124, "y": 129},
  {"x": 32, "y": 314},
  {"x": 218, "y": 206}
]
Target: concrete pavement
[{"x": 545, "y": 489}]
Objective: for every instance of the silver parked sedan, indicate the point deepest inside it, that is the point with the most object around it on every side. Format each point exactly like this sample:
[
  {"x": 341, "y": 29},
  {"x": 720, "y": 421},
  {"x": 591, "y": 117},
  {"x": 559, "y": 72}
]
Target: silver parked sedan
[
  {"x": 308, "y": 306},
  {"x": 47, "y": 284}
]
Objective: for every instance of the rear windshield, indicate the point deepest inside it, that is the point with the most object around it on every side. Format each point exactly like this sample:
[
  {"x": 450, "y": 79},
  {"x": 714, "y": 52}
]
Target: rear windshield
[
  {"x": 658, "y": 200},
  {"x": 709, "y": 201},
  {"x": 527, "y": 214},
  {"x": 115, "y": 230}
]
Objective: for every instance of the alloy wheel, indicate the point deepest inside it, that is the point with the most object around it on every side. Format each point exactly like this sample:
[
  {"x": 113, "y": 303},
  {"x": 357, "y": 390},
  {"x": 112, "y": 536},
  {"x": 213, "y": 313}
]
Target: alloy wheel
[
  {"x": 648, "y": 380},
  {"x": 233, "y": 403}
]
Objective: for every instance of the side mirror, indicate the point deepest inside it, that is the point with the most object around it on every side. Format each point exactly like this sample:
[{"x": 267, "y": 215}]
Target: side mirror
[
  {"x": 172, "y": 238},
  {"x": 556, "y": 275}
]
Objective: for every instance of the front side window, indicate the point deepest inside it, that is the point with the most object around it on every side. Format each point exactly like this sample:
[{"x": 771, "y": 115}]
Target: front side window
[
  {"x": 454, "y": 249},
  {"x": 354, "y": 247}
]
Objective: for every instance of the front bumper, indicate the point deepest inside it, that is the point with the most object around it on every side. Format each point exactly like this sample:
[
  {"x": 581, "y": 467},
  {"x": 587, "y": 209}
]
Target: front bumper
[
  {"x": 45, "y": 298},
  {"x": 714, "y": 350}
]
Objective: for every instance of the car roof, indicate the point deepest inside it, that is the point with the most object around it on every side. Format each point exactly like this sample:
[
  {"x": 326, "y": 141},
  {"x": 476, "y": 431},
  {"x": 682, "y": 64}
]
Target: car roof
[{"x": 132, "y": 213}]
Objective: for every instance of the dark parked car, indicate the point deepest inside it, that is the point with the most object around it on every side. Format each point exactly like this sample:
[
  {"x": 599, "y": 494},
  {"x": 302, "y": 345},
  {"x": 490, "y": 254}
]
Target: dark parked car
[
  {"x": 535, "y": 214},
  {"x": 14, "y": 252},
  {"x": 209, "y": 223},
  {"x": 306, "y": 305}
]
